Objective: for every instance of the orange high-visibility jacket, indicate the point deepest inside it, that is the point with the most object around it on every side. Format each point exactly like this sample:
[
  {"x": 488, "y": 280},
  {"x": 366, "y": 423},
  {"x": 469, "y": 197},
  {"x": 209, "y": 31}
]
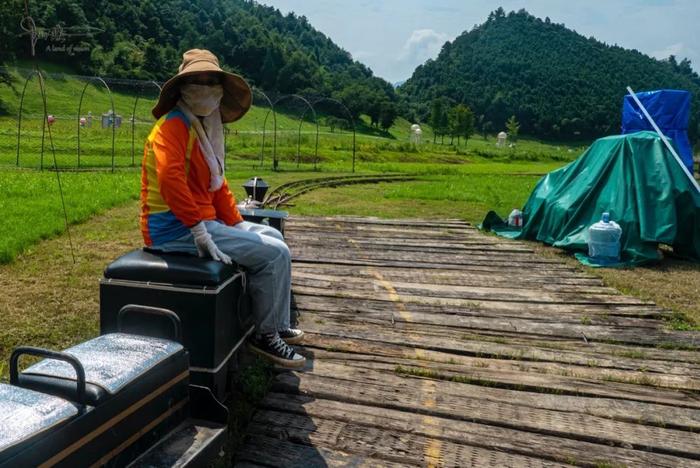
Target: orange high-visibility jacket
[{"x": 175, "y": 183}]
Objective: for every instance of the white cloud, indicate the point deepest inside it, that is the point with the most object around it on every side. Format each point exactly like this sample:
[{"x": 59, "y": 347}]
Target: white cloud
[{"x": 422, "y": 45}]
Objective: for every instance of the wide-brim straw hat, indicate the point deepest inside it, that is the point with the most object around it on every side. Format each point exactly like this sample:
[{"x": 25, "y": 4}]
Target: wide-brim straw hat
[{"x": 237, "y": 95}]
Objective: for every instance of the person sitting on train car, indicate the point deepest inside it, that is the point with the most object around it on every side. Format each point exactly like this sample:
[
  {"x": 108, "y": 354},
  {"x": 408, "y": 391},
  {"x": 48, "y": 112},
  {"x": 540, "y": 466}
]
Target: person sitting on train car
[{"x": 186, "y": 204}]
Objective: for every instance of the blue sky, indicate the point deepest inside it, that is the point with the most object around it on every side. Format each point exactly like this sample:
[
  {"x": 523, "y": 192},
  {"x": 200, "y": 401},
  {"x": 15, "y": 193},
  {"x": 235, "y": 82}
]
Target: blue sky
[{"x": 392, "y": 37}]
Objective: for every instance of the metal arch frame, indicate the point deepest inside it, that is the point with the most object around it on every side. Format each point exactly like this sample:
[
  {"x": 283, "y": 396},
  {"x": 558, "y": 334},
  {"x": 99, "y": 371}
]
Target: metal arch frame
[
  {"x": 274, "y": 120},
  {"x": 133, "y": 118},
  {"x": 301, "y": 121},
  {"x": 305, "y": 101},
  {"x": 114, "y": 111},
  {"x": 44, "y": 116},
  {"x": 352, "y": 121}
]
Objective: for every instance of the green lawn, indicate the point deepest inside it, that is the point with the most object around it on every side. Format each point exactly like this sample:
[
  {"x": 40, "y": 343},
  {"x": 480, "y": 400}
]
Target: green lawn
[
  {"x": 32, "y": 209},
  {"x": 465, "y": 196},
  {"x": 31, "y": 205},
  {"x": 244, "y": 141},
  {"x": 463, "y": 180}
]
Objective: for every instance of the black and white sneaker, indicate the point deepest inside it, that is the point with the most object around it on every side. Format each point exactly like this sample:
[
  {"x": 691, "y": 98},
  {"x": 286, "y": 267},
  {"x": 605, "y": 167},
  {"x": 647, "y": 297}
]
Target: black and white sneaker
[
  {"x": 272, "y": 347},
  {"x": 292, "y": 335}
]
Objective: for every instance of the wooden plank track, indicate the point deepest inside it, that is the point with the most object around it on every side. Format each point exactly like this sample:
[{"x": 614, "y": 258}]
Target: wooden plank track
[{"x": 432, "y": 344}]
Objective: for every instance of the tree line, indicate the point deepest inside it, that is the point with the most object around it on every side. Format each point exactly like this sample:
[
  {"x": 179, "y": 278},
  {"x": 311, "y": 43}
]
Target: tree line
[
  {"x": 145, "y": 40},
  {"x": 557, "y": 83}
]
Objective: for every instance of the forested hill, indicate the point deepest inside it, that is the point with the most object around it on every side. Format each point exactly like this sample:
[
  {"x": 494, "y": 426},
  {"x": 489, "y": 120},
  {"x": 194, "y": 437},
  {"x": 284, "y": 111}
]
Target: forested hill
[
  {"x": 145, "y": 39},
  {"x": 556, "y": 82}
]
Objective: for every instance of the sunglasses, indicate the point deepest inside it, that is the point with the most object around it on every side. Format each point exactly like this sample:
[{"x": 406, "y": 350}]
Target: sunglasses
[{"x": 203, "y": 79}]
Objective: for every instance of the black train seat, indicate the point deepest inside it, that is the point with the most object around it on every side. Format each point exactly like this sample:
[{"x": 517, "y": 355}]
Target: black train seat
[
  {"x": 208, "y": 297},
  {"x": 100, "y": 402}
]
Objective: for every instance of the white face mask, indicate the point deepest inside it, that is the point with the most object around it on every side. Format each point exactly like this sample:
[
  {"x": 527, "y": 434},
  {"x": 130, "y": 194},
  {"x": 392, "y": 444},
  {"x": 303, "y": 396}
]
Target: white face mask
[{"x": 202, "y": 99}]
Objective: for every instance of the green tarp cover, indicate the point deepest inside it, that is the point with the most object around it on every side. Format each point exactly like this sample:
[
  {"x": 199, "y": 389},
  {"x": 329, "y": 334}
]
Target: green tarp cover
[{"x": 636, "y": 179}]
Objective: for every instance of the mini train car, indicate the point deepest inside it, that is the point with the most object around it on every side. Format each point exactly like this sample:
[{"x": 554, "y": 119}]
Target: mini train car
[
  {"x": 148, "y": 390},
  {"x": 117, "y": 399}
]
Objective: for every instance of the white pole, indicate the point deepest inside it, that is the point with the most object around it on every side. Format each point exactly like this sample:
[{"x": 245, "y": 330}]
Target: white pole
[{"x": 664, "y": 139}]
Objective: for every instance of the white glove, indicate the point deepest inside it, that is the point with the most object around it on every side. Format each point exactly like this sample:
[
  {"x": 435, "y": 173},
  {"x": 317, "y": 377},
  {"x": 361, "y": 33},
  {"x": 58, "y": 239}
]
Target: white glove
[{"x": 205, "y": 244}]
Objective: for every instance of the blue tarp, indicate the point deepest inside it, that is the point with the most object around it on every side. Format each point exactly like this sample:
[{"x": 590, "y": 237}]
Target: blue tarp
[{"x": 670, "y": 109}]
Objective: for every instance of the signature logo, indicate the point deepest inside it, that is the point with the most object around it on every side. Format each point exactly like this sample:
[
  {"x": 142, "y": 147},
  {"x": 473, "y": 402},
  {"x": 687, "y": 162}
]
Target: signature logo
[{"x": 56, "y": 35}]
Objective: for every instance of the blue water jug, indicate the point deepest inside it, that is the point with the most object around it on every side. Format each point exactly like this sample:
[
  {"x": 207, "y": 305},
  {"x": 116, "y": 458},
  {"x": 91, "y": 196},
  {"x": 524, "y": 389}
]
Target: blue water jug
[{"x": 604, "y": 240}]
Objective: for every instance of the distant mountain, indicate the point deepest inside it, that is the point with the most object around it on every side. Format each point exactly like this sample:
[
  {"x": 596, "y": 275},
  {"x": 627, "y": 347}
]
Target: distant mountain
[
  {"x": 399, "y": 83},
  {"x": 556, "y": 82},
  {"x": 145, "y": 39}
]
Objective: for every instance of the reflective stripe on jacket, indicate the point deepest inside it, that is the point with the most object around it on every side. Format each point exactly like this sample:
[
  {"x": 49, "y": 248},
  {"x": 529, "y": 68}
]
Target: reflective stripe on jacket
[{"x": 175, "y": 183}]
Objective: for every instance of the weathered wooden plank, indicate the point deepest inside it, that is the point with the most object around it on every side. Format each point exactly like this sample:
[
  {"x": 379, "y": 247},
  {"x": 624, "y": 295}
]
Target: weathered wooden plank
[
  {"x": 511, "y": 262},
  {"x": 454, "y": 320},
  {"x": 449, "y": 245},
  {"x": 464, "y": 432},
  {"x": 472, "y": 303},
  {"x": 465, "y": 316},
  {"x": 636, "y": 386},
  {"x": 410, "y": 241},
  {"x": 369, "y": 220},
  {"x": 321, "y": 257},
  {"x": 393, "y": 224},
  {"x": 624, "y": 410},
  {"x": 269, "y": 451},
  {"x": 531, "y": 382},
  {"x": 358, "y": 238},
  {"x": 494, "y": 293},
  {"x": 481, "y": 342},
  {"x": 378, "y": 220},
  {"x": 500, "y": 322},
  {"x": 514, "y": 372},
  {"x": 369, "y": 388},
  {"x": 291, "y": 234},
  {"x": 571, "y": 285},
  {"x": 388, "y": 231},
  {"x": 645, "y": 336},
  {"x": 424, "y": 250},
  {"x": 407, "y": 448},
  {"x": 427, "y": 229},
  {"x": 481, "y": 345},
  {"x": 524, "y": 278},
  {"x": 635, "y": 316}
]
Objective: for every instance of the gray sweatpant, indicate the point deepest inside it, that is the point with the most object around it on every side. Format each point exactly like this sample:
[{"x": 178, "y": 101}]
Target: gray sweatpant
[{"x": 262, "y": 251}]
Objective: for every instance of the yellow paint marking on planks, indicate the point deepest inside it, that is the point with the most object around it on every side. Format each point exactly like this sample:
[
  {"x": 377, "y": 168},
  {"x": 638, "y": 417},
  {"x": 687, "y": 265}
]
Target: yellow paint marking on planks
[
  {"x": 432, "y": 453},
  {"x": 433, "y": 447},
  {"x": 391, "y": 291},
  {"x": 393, "y": 295}
]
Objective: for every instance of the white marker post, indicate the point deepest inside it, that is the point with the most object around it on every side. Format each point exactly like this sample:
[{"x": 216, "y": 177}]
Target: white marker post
[{"x": 664, "y": 139}]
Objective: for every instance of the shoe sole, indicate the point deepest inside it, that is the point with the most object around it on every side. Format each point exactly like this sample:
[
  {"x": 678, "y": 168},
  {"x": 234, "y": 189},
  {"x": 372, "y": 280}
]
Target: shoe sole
[
  {"x": 286, "y": 363},
  {"x": 294, "y": 340}
]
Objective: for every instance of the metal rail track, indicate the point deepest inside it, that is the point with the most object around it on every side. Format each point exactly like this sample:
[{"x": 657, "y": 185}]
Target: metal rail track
[{"x": 282, "y": 194}]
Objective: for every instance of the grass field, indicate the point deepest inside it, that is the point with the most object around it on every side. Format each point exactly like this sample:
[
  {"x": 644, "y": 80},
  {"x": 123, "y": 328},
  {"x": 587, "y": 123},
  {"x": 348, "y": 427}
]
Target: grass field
[
  {"x": 31, "y": 205},
  {"x": 244, "y": 140},
  {"x": 32, "y": 209},
  {"x": 470, "y": 178}
]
